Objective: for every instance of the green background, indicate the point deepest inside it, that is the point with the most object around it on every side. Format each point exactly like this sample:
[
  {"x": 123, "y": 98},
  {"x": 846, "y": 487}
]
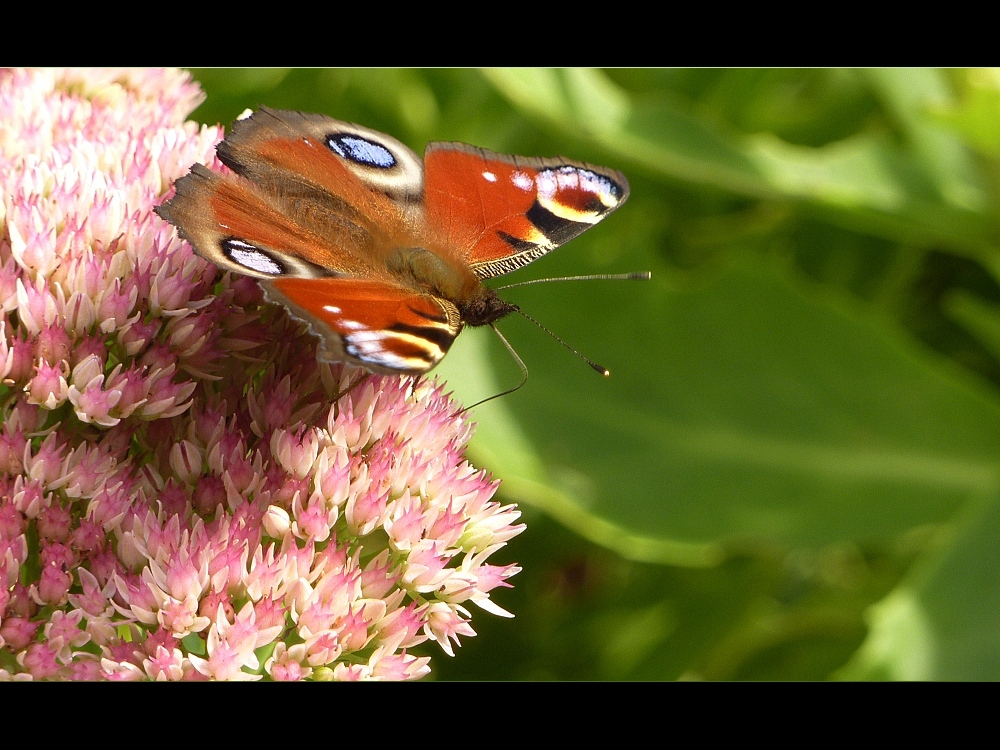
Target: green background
[{"x": 793, "y": 470}]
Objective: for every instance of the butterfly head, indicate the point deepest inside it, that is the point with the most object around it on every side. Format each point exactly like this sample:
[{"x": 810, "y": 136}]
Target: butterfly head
[{"x": 485, "y": 308}]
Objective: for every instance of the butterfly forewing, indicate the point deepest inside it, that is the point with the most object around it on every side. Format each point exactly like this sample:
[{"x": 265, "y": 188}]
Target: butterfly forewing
[
  {"x": 502, "y": 212},
  {"x": 233, "y": 224}
]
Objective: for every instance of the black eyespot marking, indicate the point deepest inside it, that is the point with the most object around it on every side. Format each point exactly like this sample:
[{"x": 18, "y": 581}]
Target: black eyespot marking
[
  {"x": 522, "y": 246},
  {"x": 251, "y": 257},
  {"x": 556, "y": 228},
  {"x": 442, "y": 339},
  {"x": 360, "y": 150},
  {"x": 427, "y": 316}
]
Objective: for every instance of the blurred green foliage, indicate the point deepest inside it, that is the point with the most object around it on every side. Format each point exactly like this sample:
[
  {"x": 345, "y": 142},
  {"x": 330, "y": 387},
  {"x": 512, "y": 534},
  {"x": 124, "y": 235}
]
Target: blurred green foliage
[{"x": 794, "y": 470}]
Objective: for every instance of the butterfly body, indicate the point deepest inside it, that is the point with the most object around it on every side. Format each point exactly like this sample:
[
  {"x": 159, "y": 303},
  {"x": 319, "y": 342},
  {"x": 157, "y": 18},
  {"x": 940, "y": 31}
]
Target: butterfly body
[{"x": 381, "y": 254}]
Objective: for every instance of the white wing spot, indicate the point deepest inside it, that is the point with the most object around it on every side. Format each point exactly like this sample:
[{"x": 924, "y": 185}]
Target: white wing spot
[
  {"x": 547, "y": 184},
  {"x": 370, "y": 337},
  {"x": 522, "y": 181},
  {"x": 248, "y": 256}
]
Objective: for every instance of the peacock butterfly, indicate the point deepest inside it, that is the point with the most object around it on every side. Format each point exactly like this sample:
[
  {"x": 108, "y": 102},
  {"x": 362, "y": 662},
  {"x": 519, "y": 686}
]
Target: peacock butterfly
[{"x": 381, "y": 254}]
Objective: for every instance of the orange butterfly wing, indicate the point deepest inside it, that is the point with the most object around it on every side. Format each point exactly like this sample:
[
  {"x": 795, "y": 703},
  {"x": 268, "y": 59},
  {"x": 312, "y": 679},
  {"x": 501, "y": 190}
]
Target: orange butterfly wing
[
  {"x": 503, "y": 211},
  {"x": 381, "y": 254}
]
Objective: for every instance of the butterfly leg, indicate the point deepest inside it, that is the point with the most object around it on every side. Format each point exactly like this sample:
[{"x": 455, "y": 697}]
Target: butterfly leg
[{"x": 354, "y": 384}]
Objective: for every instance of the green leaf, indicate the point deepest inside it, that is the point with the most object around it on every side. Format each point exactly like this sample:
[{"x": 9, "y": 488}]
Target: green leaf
[
  {"x": 943, "y": 622},
  {"x": 980, "y": 317},
  {"x": 864, "y": 181},
  {"x": 975, "y": 117},
  {"x": 737, "y": 410}
]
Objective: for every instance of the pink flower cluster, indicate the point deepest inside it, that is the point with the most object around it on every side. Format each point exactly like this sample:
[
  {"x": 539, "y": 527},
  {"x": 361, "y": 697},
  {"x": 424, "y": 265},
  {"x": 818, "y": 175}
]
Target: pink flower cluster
[{"x": 185, "y": 493}]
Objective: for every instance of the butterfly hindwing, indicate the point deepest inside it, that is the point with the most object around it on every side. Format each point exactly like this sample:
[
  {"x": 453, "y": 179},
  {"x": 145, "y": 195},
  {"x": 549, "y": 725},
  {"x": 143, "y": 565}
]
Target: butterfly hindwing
[
  {"x": 375, "y": 325},
  {"x": 237, "y": 227}
]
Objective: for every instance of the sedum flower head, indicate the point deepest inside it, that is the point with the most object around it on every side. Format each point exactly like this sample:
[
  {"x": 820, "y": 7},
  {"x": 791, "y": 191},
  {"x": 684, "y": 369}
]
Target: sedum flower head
[{"x": 185, "y": 492}]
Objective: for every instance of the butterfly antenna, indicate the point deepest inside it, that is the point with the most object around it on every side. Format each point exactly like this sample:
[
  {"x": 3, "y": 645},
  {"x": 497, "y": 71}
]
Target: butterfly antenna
[
  {"x": 598, "y": 368},
  {"x": 520, "y": 363},
  {"x": 634, "y": 276}
]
